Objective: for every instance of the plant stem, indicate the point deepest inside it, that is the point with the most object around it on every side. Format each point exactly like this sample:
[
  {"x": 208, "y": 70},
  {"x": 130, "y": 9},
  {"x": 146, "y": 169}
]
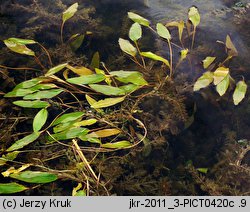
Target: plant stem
[
  {"x": 193, "y": 38},
  {"x": 171, "y": 58},
  {"x": 39, "y": 62},
  {"x": 46, "y": 51},
  {"x": 62, "y": 32},
  {"x": 142, "y": 59}
]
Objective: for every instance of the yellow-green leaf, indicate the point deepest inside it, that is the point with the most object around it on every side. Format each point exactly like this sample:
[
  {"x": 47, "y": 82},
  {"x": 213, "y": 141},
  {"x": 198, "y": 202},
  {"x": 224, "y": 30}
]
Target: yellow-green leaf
[
  {"x": 155, "y": 57},
  {"x": 82, "y": 71},
  {"x": 163, "y": 32},
  {"x": 32, "y": 104},
  {"x": 222, "y": 87},
  {"x": 208, "y": 61},
  {"x": 134, "y": 77},
  {"x": 28, "y": 83},
  {"x": 203, "y": 170},
  {"x": 127, "y": 47},
  {"x": 77, "y": 42},
  {"x": 89, "y": 79},
  {"x": 69, "y": 134},
  {"x": 10, "y": 188},
  {"x": 205, "y": 80},
  {"x": 107, "y": 102},
  {"x": 104, "y": 133},
  {"x": 92, "y": 101},
  {"x": 87, "y": 122},
  {"x": 70, "y": 12},
  {"x": 107, "y": 90},
  {"x": 184, "y": 53},
  {"x": 40, "y": 119},
  {"x": 18, "y": 48},
  {"x": 34, "y": 177},
  {"x": 231, "y": 50},
  {"x": 138, "y": 19},
  {"x": 239, "y": 92},
  {"x": 47, "y": 94},
  {"x": 129, "y": 88},
  {"x": 117, "y": 145},
  {"x": 219, "y": 74},
  {"x": 23, "y": 142},
  {"x": 95, "y": 62},
  {"x": 56, "y": 69},
  {"x": 194, "y": 16},
  {"x": 22, "y": 41},
  {"x": 135, "y": 32},
  {"x": 181, "y": 27},
  {"x": 8, "y": 157},
  {"x": 68, "y": 117}
]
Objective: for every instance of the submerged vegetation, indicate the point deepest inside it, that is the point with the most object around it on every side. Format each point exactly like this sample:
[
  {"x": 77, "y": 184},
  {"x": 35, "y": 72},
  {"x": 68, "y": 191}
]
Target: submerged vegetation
[{"x": 82, "y": 123}]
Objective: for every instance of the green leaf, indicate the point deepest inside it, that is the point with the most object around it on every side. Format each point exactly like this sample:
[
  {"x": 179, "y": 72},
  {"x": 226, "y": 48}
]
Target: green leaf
[
  {"x": 68, "y": 117},
  {"x": 92, "y": 101},
  {"x": 208, "y": 61},
  {"x": 56, "y": 69},
  {"x": 117, "y": 145},
  {"x": 222, "y": 87},
  {"x": 127, "y": 47},
  {"x": 95, "y": 62},
  {"x": 22, "y": 41},
  {"x": 231, "y": 50},
  {"x": 8, "y": 157},
  {"x": 194, "y": 16},
  {"x": 10, "y": 188},
  {"x": 87, "y": 122},
  {"x": 163, "y": 32},
  {"x": 28, "y": 83},
  {"x": 203, "y": 170},
  {"x": 19, "y": 92},
  {"x": 18, "y": 48},
  {"x": 77, "y": 42},
  {"x": 239, "y": 92},
  {"x": 155, "y": 57},
  {"x": 40, "y": 119},
  {"x": 47, "y": 94},
  {"x": 23, "y": 142},
  {"x": 32, "y": 104},
  {"x": 107, "y": 90},
  {"x": 135, "y": 32},
  {"x": 64, "y": 126},
  {"x": 205, "y": 80},
  {"x": 129, "y": 88},
  {"x": 34, "y": 177},
  {"x": 134, "y": 77},
  {"x": 107, "y": 102},
  {"x": 219, "y": 74},
  {"x": 138, "y": 19},
  {"x": 87, "y": 79},
  {"x": 69, "y": 134},
  {"x": 70, "y": 12}
]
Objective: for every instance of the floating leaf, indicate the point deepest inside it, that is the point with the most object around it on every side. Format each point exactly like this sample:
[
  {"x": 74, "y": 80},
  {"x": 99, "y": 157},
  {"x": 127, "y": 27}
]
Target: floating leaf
[
  {"x": 70, "y": 12},
  {"x": 82, "y": 71},
  {"x": 194, "y": 16},
  {"x": 155, "y": 57},
  {"x": 107, "y": 90},
  {"x": 117, "y": 145},
  {"x": 134, "y": 77},
  {"x": 219, "y": 74},
  {"x": 40, "y": 119},
  {"x": 8, "y": 157},
  {"x": 56, "y": 69},
  {"x": 107, "y": 102},
  {"x": 208, "y": 61},
  {"x": 22, "y": 41},
  {"x": 203, "y": 170},
  {"x": 18, "y": 48},
  {"x": 163, "y": 32},
  {"x": 32, "y": 104},
  {"x": 77, "y": 42},
  {"x": 47, "y": 94},
  {"x": 127, "y": 47},
  {"x": 89, "y": 79},
  {"x": 23, "y": 142},
  {"x": 231, "y": 50},
  {"x": 239, "y": 92},
  {"x": 138, "y": 19},
  {"x": 104, "y": 133},
  {"x": 68, "y": 117},
  {"x": 222, "y": 87},
  {"x": 87, "y": 122},
  {"x": 135, "y": 32},
  {"x": 205, "y": 80},
  {"x": 34, "y": 177},
  {"x": 95, "y": 62},
  {"x": 69, "y": 134},
  {"x": 10, "y": 188}
]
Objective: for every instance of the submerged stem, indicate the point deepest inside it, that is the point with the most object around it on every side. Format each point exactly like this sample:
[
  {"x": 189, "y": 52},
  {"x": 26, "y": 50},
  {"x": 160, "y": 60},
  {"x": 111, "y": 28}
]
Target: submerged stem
[
  {"x": 171, "y": 58},
  {"x": 142, "y": 59},
  {"x": 193, "y": 38},
  {"x": 46, "y": 51},
  {"x": 62, "y": 32}
]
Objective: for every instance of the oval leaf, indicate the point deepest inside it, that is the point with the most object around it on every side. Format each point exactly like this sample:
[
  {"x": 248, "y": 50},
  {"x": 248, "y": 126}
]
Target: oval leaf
[
  {"x": 23, "y": 142},
  {"x": 163, "y": 32},
  {"x": 70, "y": 12},
  {"x": 95, "y": 62},
  {"x": 155, "y": 57},
  {"x": 87, "y": 122},
  {"x": 68, "y": 118},
  {"x": 134, "y": 77},
  {"x": 89, "y": 79},
  {"x": 135, "y": 32},
  {"x": 117, "y": 145},
  {"x": 219, "y": 74},
  {"x": 40, "y": 120},
  {"x": 18, "y": 48},
  {"x": 34, "y": 177},
  {"x": 104, "y": 133},
  {"x": 107, "y": 90},
  {"x": 32, "y": 104},
  {"x": 107, "y": 102},
  {"x": 10, "y": 188},
  {"x": 194, "y": 16},
  {"x": 69, "y": 134},
  {"x": 208, "y": 61},
  {"x": 231, "y": 50},
  {"x": 239, "y": 92},
  {"x": 138, "y": 19},
  {"x": 127, "y": 47},
  {"x": 205, "y": 80},
  {"x": 22, "y": 41},
  {"x": 222, "y": 87},
  {"x": 47, "y": 94},
  {"x": 77, "y": 42}
]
